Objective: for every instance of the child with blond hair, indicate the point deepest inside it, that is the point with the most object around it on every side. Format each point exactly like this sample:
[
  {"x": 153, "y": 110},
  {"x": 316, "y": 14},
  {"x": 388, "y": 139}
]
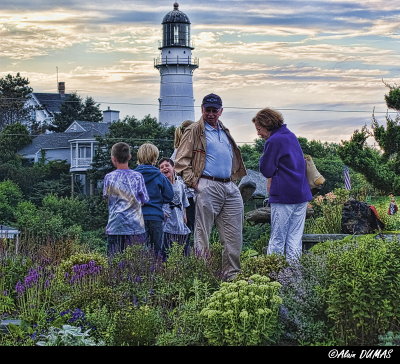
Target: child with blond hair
[{"x": 160, "y": 192}]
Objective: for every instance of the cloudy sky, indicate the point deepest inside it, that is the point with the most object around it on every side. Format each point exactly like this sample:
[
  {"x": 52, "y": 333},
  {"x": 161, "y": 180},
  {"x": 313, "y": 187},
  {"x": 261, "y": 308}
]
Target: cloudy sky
[{"x": 321, "y": 63}]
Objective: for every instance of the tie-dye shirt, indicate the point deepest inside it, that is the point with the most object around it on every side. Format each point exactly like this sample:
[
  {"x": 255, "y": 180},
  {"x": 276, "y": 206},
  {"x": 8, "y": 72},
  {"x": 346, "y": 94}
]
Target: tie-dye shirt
[{"x": 126, "y": 192}]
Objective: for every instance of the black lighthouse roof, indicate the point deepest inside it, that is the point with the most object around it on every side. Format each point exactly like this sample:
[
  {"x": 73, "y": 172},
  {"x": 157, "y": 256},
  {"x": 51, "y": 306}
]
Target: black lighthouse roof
[{"x": 176, "y": 16}]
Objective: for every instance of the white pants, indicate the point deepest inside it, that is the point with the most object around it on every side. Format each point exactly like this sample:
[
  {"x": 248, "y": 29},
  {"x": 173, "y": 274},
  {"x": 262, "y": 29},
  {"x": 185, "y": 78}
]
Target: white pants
[{"x": 287, "y": 226}]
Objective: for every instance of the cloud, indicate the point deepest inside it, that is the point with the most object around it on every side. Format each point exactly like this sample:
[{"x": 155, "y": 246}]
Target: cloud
[{"x": 288, "y": 54}]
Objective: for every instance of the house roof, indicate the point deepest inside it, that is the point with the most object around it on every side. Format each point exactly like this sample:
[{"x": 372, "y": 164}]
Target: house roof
[
  {"x": 90, "y": 128},
  {"x": 62, "y": 140},
  {"x": 51, "y": 101}
]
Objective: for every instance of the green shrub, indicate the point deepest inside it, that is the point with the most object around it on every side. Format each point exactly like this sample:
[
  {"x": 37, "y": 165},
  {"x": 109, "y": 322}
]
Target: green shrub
[
  {"x": 186, "y": 327},
  {"x": 303, "y": 313},
  {"x": 244, "y": 312},
  {"x": 265, "y": 265},
  {"x": 66, "y": 267},
  {"x": 137, "y": 326},
  {"x": 261, "y": 243},
  {"x": 327, "y": 213},
  {"x": 94, "y": 241},
  {"x": 175, "y": 280},
  {"x": 389, "y": 339},
  {"x": 364, "y": 290}
]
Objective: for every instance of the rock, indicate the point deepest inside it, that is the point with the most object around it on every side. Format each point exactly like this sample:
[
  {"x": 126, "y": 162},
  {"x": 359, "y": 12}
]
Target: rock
[
  {"x": 254, "y": 178},
  {"x": 247, "y": 190}
]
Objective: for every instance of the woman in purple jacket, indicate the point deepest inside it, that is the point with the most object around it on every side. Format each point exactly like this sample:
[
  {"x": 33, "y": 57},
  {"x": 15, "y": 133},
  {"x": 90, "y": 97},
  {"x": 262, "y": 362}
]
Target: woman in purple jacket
[{"x": 283, "y": 164}]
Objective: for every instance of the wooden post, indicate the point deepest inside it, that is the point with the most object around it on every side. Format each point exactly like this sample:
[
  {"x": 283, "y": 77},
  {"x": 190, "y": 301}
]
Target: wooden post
[{"x": 72, "y": 185}]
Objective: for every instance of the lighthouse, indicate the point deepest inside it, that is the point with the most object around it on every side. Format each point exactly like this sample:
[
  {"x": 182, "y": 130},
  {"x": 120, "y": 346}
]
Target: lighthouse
[{"x": 176, "y": 67}]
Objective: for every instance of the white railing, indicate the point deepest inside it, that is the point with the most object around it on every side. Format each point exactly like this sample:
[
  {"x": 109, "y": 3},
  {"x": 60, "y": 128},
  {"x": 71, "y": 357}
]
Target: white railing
[
  {"x": 81, "y": 162},
  {"x": 172, "y": 60}
]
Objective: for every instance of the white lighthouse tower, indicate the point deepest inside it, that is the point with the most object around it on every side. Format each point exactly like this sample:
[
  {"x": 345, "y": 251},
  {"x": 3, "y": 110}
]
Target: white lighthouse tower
[{"x": 176, "y": 66}]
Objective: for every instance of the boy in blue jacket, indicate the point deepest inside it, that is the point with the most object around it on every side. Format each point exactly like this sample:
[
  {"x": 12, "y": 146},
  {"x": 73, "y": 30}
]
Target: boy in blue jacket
[{"x": 160, "y": 191}]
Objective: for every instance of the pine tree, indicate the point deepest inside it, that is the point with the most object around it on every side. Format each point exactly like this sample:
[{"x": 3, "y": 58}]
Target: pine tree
[
  {"x": 381, "y": 167},
  {"x": 14, "y": 92},
  {"x": 70, "y": 111},
  {"x": 74, "y": 108},
  {"x": 91, "y": 111}
]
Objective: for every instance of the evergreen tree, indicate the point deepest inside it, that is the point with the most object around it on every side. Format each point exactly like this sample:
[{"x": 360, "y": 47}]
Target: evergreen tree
[
  {"x": 381, "y": 166},
  {"x": 70, "y": 110},
  {"x": 14, "y": 92},
  {"x": 91, "y": 111},
  {"x": 74, "y": 108},
  {"x": 13, "y": 138}
]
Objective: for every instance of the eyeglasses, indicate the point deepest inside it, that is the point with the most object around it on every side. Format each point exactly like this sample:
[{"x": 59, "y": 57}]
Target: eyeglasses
[{"x": 212, "y": 110}]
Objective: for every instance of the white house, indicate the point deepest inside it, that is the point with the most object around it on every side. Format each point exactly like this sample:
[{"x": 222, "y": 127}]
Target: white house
[
  {"x": 77, "y": 146},
  {"x": 45, "y": 106}
]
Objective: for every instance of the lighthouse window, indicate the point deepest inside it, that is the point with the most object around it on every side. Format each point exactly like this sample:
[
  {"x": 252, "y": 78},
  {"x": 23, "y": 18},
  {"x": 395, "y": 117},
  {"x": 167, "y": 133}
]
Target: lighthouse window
[{"x": 176, "y": 34}]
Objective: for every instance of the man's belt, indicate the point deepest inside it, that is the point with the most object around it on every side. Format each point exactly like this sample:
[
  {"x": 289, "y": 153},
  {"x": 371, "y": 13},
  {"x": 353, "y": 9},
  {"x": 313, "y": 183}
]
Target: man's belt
[{"x": 216, "y": 178}]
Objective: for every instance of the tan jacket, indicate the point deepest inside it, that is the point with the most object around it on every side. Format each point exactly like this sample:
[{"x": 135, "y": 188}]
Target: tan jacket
[{"x": 190, "y": 157}]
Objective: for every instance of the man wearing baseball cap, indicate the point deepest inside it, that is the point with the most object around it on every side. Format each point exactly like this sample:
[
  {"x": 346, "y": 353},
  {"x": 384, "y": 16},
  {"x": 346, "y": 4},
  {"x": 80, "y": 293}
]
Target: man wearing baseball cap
[{"x": 209, "y": 161}]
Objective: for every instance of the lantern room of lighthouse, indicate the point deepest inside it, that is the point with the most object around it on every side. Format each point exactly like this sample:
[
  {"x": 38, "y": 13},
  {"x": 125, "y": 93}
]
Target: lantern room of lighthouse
[{"x": 176, "y": 67}]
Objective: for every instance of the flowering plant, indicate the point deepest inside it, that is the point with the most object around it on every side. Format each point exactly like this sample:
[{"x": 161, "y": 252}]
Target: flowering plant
[
  {"x": 329, "y": 208},
  {"x": 244, "y": 312},
  {"x": 34, "y": 293}
]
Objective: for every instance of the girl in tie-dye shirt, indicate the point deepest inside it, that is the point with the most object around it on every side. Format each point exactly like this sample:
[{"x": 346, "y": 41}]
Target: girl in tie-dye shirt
[{"x": 126, "y": 193}]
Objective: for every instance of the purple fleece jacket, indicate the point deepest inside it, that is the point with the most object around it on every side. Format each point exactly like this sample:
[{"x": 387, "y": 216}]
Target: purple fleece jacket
[{"x": 283, "y": 160}]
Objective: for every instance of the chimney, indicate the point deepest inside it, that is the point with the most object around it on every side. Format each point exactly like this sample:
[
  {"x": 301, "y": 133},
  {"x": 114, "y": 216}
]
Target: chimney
[
  {"x": 109, "y": 116},
  {"x": 61, "y": 88}
]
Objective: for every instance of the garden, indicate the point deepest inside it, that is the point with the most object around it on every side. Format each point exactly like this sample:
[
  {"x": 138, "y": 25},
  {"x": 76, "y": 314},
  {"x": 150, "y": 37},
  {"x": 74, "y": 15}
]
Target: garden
[{"x": 58, "y": 288}]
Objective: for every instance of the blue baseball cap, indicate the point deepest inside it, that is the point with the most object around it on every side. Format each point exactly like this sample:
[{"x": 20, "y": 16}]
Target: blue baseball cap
[{"x": 212, "y": 100}]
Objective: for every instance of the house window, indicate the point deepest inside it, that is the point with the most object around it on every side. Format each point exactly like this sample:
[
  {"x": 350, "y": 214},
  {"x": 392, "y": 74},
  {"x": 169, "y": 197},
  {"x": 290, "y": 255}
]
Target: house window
[{"x": 84, "y": 152}]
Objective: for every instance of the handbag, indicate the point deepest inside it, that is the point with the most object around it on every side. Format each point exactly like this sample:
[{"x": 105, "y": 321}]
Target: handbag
[{"x": 314, "y": 177}]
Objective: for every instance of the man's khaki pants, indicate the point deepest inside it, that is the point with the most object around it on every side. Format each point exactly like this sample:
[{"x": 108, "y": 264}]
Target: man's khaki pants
[{"x": 220, "y": 203}]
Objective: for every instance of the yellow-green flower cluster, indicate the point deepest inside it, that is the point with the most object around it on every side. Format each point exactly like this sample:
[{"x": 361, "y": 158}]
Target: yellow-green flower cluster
[{"x": 244, "y": 312}]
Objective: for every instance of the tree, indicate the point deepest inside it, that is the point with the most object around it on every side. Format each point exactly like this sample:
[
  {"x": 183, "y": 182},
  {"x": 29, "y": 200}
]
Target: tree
[
  {"x": 134, "y": 132},
  {"x": 73, "y": 108},
  {"x": 14, "y": 92},
  {"x": 10, "y": 196},
  {"x": 91, "y": 111},
  {"x": 381, "y": 166},
  {"x": 326, "y": 159},
  {"x": 13, "y": 138}
]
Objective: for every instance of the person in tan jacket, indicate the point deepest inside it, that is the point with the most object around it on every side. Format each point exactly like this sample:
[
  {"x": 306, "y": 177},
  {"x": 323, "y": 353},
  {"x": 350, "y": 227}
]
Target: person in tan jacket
[{"x": 209, "y": 161}]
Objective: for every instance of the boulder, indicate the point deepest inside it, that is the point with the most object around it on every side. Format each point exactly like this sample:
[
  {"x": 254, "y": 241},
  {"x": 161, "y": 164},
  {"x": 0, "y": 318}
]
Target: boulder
[{"x": 254, "y": 185}]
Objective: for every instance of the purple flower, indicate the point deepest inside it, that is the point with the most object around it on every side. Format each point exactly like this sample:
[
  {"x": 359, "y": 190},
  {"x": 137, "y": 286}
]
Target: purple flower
[
  {"x": 77, "y": 314},
  {"x": 20, "y": 288},
  {"x": 31, "y": 278},
  {"x": 79, "y": 271}
]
